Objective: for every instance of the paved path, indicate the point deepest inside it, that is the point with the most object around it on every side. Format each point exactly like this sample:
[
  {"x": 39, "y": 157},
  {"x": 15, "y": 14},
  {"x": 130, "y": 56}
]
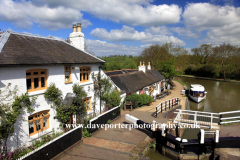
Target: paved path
[{"x": 121, "y": 143}]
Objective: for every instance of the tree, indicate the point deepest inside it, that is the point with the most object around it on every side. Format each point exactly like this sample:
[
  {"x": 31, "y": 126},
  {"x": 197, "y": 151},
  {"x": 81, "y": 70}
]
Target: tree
[
  {"x": 202, "y": 53},
  {"x": 168, "y": 69},
  {"x": 224, "y": 55},
  {"x": 104, "y": 90}
]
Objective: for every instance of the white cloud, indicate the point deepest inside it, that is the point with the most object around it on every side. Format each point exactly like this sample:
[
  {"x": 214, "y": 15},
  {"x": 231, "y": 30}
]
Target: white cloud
[
  {"x": 226, "y": 34},
  {"x": 159, "y": 30},
  {"x": 24, "y": 13},
  {"x": 184, "y": 32},
  {"x": 222, "y": 23},
  {"x": 137, "y": 12},
  {"x": 125, "y": 34},
  {"x": 102, "y": 48},
  {"x": 205, "y": 15},
  {"x": 130, "y": 34}
]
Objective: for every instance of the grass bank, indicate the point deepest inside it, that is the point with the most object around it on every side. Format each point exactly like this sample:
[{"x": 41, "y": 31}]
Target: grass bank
[
  {"x": 213, "y": 79},
  {"x": 181, "y": 82}
]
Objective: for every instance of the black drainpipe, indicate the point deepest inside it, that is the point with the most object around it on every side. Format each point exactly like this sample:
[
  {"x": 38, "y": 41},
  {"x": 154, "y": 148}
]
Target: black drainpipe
[{"x": 100, "y": 88}]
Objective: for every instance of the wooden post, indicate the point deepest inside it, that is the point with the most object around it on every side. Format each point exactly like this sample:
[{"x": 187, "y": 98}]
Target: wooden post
[
  {"x": 156, "y": 112},
  {"x": 165, "y": 105},
  {"x": 161, "y": 107},
  {"x": 169, "y": 104},
  {"x": 172, "y": 103}
]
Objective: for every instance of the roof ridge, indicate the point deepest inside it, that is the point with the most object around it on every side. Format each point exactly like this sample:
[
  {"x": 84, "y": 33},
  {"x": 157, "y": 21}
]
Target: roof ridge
[
  {"x": 35, "y": 35},
  {"x": 3, "y": 39}
]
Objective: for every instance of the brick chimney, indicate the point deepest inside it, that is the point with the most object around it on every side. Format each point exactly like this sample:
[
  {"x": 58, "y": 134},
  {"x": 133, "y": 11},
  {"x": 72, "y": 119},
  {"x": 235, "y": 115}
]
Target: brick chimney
[
  {"x": 77, "y": 37},
  {"x": 142, "y": 67}
]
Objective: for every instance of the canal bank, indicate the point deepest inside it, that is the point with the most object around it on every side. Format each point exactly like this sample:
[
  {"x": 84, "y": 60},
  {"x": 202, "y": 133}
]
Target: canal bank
[{"x": 212, "y": 79}]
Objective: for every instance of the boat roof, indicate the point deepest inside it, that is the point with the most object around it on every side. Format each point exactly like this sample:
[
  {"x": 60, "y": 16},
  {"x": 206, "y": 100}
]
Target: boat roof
[{"x": 197, "y": 87}]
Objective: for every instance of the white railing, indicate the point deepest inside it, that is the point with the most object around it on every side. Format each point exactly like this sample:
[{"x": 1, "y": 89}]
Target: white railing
[
  {"x": 167, "y": 104},
  {"x": 203, "y": 119},
  {"x": 229, "y": 118}
]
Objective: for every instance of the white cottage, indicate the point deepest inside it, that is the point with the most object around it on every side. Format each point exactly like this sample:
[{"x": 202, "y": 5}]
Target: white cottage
[{"x": 32, "y": 63}]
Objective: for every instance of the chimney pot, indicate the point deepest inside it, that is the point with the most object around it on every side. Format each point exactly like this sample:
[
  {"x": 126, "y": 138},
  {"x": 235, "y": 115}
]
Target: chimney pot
[
  {"x": 149, "y": 63},
  {"x": 74, "y": 27},
  {"x": 78, "y": 27},
  {"x": 143, "y": 64},
  {"x": 140, "y": 63}
]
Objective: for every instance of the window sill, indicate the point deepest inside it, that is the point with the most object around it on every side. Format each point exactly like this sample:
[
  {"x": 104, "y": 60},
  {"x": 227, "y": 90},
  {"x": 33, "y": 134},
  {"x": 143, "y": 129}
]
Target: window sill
[
  {"x": 33, "y": 93},
  {"x": 68, "y": 82}
]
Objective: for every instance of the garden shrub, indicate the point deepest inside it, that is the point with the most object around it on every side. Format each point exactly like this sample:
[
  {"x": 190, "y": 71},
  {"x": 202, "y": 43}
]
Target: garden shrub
[{"x": 139, "y": 100}]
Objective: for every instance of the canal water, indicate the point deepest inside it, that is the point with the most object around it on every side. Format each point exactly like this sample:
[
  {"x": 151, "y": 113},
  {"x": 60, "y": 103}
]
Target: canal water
[{"x": 221, "y": 97}]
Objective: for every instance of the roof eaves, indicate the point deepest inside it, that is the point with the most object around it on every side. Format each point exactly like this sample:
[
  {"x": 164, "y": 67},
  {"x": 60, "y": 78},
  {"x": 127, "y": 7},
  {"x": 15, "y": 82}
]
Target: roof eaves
[{"x": 3, "y": 40}]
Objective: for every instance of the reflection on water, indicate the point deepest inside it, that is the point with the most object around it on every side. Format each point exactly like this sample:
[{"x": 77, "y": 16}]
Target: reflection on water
[
  {"x": 155, "y": 155},
  {"x": 221, "y": 96}
]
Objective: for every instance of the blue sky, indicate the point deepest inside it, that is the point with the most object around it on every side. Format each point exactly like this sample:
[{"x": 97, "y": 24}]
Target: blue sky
[{"x": 127, "y": 26}]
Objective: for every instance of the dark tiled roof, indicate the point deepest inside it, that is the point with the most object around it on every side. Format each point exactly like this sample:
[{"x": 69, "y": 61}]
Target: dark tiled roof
[
  {"x": 134, "y": 81},
  {"x": 20, "y": 49},
  {"x": 118, "y": 72}
]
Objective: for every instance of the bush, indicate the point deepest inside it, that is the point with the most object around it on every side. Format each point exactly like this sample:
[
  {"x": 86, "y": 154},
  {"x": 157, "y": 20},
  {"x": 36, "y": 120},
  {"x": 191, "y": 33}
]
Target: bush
[{"x": 139, "y": 100}]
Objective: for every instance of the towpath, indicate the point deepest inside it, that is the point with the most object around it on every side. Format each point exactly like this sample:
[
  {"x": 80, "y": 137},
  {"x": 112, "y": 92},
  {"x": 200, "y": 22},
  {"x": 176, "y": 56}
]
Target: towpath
[{"x": 121, "y": 143}]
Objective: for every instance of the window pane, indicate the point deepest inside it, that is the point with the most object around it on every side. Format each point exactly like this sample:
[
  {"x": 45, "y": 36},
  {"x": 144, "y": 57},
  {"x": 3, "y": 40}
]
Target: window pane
[
  {"x": 35, "y": 73},
  {"x": 44, "y": 122},
  {"x": 36, "y": 83},
  {"x": 29, "y": 84},
  {"x": 83, "y": 76},
  {"x": 30, "y": 118},
  {"x": 28, "y": 73},
  {"x": 38, "y": 125},
  {"x": 43, "y": 72},
  {"x": 87, "y": 76},
  {"x": 67, "y": 68},
  {"x": 31, "y": 128},
  {"x": 42, "y": 81},
  {"x": 83, "y": 69},
  {"x": 67, "y": 73},
  {"x": 80, "y": 76},
  {"x": 88, "y": 105}
]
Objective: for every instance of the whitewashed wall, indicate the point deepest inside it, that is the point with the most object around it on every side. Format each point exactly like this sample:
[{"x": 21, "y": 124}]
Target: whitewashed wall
[{"x": 17, "y": 76}]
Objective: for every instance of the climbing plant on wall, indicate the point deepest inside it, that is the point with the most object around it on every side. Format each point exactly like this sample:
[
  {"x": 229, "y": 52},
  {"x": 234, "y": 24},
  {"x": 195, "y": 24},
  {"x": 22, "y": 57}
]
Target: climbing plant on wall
[
  {"x": 9, "y": 113},
  {"x": 64, "y": 113}
]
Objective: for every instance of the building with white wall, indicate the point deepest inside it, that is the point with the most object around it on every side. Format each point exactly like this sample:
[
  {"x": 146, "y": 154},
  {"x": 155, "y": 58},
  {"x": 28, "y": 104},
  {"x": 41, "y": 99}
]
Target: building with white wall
[
  {"x": 142, "y": 81},
  {"x": 32, "y": 63}
]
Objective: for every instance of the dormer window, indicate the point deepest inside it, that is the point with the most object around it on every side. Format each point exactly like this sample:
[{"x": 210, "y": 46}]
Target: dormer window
[
  {"x": 36, "y": 79},
  {"x": 85, "y": 74},
  {"x": 68, "y": 78}
]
